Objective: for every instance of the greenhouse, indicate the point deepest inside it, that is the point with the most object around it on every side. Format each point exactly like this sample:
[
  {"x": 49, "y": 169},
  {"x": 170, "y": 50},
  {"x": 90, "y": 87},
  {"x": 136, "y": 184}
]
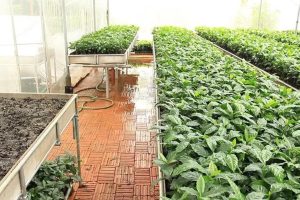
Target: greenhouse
[{"x": 150, "y": 100}]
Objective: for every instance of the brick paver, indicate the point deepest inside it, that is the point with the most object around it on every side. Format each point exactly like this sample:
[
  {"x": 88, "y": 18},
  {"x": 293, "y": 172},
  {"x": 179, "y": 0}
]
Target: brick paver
[{"x": 117, "y": 145}]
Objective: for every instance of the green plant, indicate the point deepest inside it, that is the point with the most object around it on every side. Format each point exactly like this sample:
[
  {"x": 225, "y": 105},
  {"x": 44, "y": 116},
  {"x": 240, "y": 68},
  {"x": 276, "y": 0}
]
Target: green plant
[
  {"x": 143, "y": 46},
  {"x": 228, "y": 131},
  {"x": 109, "y": 40},
  {"x": 275, "y": 57},
  {"x": 53, "y": 179},
  {"x": 281, "y": 36}
]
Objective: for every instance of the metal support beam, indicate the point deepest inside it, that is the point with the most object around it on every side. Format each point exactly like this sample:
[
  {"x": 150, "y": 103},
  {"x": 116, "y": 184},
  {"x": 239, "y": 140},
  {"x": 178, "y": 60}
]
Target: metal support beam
[
  {"x": 259, "y": 15},
  {"x": 15, "y": 43},
  {"x": 47, "y": 67},
  {"x": 94, "y": 15},
  {"x": 297, "y": 21},
  {"x": 23, "y": 184},
  {"x": 58, "y": 142},
  {"x": 107, "y": 14},
  {"x": 77, "y": 138},
  {"x": 107, "y": 82},
  {"x": 68, "y": 87}
]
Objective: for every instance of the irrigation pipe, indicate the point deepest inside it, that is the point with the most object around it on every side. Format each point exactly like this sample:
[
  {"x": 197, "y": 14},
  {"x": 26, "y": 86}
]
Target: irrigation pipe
[{"x": 90, "y": 98}]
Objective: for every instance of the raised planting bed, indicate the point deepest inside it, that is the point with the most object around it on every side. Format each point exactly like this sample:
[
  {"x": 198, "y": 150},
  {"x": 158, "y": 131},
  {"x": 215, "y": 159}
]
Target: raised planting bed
[
  {"x": 140, "y": 58},
  {"x": 280, "y": 36},
  {"x": 110, "y": 45},
  {"x": 228, "y": 131},
  {"x": 30, "y": 126},
  {"x": 273, "y": 56},
  {"x": 143, "y": 47}
]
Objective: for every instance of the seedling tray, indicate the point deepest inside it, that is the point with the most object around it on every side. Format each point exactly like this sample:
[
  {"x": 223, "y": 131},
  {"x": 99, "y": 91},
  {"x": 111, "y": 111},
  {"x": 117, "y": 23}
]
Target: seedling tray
[
  {"x": 13, "y": 184},
  {"x": 100, "y": 59}
]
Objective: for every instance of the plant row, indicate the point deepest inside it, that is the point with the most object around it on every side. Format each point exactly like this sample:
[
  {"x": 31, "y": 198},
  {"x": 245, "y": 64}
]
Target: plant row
[
  {"x": 109, "y": 40},
  {"x": 143, "y": 46},
  {"x": 228, "y": 131},
  {"x": 53, "y": 179},
  {"x": 281, "y": 36},
  {"x": 275, "y": 57}
]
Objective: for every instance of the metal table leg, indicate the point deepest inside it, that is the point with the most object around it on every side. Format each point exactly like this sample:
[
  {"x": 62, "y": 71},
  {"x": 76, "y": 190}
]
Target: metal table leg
[
  {"x": 68, "y": 87},
  {"x": 77, "y": 138},
  {"x": 107, "y": 83},
  {"x": 116, "y": 72}
]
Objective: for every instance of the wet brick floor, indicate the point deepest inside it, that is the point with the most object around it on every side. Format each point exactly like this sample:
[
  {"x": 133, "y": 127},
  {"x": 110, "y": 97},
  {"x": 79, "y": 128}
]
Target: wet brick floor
[{"x": 117, "y": 145}]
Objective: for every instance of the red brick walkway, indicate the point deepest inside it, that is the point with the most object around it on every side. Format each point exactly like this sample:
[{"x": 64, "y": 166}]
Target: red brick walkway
[{"x": 117, "y": 147}]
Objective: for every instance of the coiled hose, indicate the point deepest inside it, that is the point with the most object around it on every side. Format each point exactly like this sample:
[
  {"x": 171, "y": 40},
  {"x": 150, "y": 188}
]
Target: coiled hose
[{"x": 93, "y": 98}]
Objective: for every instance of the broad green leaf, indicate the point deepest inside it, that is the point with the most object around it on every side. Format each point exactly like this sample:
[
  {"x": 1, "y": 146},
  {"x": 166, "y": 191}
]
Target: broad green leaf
[
  {"x": 212, "y": 143},
  {"x": 254, "y": 167},
  {"x": 181, "y": 146},
  {"x": 187, "y": 166},
  {"x": 163, "y": 158},
  {"x": 296, "y": 133},
  {"x": 190, "y": 175},
  {"x": 192, "y": 123},
  {"x": 189, "y": 190},
  {"x": 262, "y": 122},
  {"x": 174, "y": 119},
  {"x": 259, "y": 187},
  {"x": 232, "y": 162},
  {"x": 255, "y": 196},
  {"x": 215, "y": 191},
  {"x": 211, "y": 130},
  {"x": 200, "y": 150},
  {"x": 200, "y": 185},
  {"x": 277, "y": 171},
  {"x": 213, "y": 169},
  {"x": 236, "y": 190},
  {"x": 266, "y": 155},
  {"x": 202, "y": 117}
]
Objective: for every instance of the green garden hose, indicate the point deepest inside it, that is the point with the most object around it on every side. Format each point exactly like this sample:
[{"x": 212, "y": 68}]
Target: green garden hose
[{"x": 93, "y": 98}]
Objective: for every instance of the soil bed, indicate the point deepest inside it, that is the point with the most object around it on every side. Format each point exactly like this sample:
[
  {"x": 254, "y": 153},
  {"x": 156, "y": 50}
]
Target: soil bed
[{"x": 21, "y": 122}]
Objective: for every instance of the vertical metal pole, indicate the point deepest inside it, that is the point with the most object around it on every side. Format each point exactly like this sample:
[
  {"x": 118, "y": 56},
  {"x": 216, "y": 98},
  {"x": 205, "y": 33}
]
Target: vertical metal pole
[
  {"x": 47, "y": 68},
  {"x": 297, "y": 21},
  {"x": 68, "y": 77},
  {"x": 94, "y": 15},
  {"x": 15, "y": 42},
  {"x": 107, "y": 14},
  {"x": 58, "y": 142},
  {"x": 259, "y": 15},
  {"x": 77, "y": 138},
  {"x": 107, "y": 82},
  {"x": 23, "y": 184}
]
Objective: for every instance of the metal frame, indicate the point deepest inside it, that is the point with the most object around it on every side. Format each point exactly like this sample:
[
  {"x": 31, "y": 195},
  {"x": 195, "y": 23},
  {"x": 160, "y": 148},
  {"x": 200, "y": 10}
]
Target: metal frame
[
  {"x": 15, "y": 41},
  {"x": 105, "y": 61},
  {"x": 107, "y": 13},
  {"x": 259, "y": 15},
  {"x": 162, "y": 182},
  {"x": 297, "y": 21},
  {"x": 13, "y": 184},
  {"x": 47, "y": 68}
]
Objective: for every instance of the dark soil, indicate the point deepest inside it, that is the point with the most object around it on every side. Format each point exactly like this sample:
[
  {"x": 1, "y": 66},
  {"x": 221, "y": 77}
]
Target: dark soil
[{"x": 21, "y": 122}]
